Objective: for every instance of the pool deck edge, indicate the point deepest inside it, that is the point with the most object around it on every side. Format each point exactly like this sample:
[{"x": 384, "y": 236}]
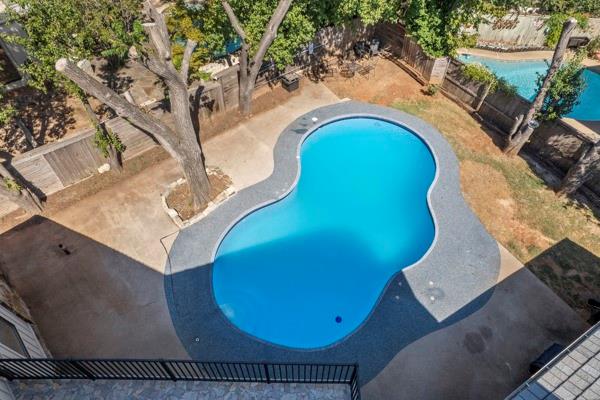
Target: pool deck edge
[{"x": 454, "y": 278}]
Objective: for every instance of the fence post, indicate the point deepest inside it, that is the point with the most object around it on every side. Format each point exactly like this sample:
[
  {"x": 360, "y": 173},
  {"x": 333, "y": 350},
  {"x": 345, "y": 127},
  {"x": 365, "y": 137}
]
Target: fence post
[
  {"x": 83, "y": 370},
  {"x": 266, "y": 370},
  {"x": 6, "y": 374},
  {"x": 482, "y": 98},
  {"x": 516, "y": 125},
  {"x": 165, "y": 366},
  {"x": 354, "y": 389}
]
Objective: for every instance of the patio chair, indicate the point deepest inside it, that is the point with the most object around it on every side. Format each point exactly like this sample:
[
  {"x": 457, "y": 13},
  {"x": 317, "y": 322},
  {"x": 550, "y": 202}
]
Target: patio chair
[
  {"x": 346, "y": 72},
  {"x": 366, "y": 69}
]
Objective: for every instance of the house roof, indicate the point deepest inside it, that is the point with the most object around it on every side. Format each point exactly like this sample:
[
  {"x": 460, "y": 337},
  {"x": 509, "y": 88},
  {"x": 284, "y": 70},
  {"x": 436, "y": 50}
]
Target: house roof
[{"x": 573, "y": 374}]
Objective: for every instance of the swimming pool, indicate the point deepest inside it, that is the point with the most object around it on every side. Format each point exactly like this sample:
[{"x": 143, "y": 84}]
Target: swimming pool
[
  {"x": 523, "y": 74},
  {"x": 306, "y": 271}
]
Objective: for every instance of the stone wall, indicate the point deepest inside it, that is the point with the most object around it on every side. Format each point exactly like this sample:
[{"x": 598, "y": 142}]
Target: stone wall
[{"x": 525, "y": 32}]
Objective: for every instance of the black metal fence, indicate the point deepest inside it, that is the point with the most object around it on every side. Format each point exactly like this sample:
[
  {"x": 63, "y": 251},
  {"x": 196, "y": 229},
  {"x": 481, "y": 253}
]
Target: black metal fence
[{"x": 182, "y": 370}]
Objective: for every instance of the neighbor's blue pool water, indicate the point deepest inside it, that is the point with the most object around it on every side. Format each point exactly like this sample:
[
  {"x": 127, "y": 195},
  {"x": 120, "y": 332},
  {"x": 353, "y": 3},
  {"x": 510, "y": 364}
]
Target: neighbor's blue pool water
[
  {"x": 307, "y": 270},
  {"x": 523, "y": 74}
]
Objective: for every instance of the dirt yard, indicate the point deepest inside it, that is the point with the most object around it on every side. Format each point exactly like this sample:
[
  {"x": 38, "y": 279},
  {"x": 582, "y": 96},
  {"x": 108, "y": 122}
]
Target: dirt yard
[
  {"x": 50, "y": 117},
  {"x": 267, "y": 99},
  {"x": 558, "y": 239},
  {"x": 180, "y": 198}
]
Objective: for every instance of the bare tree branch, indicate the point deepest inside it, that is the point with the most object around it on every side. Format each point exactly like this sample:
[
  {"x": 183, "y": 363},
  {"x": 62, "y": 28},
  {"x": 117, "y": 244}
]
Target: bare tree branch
[
  {"x": 269, "y": 36},
  {"x": 121, "y": 106},
  {"x": 158, "y": 32},
  {"x": 235, "y": 22},
  {"x": 187, "y": 56}
]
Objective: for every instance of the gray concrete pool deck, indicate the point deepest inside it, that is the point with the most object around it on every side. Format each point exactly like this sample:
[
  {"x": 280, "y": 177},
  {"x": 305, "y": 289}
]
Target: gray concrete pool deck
[
  {"x": 106, "y": 299},
  {"x": 451, "y": 283}
]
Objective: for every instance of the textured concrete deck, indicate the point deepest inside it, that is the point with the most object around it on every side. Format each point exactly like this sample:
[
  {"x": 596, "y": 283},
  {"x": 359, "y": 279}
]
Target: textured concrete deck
[
  {"x": 451, "y": 283},
  {"x": 105, "y": 298},
  {"x": 154, "y": 390},
  {"x": 486, "y": 355}
]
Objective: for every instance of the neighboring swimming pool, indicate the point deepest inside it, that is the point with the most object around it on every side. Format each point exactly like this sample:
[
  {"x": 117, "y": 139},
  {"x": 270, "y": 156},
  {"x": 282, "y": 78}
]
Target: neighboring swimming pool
[
  {"x": 307, "y": 270},
  {"x": 523, "y": 74}
]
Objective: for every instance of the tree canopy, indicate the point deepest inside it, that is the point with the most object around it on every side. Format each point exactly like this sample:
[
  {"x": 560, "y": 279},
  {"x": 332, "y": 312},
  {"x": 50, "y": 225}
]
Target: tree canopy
[
  {"x": 564, "y": 90},
  {"x": 75, "y": 29},
  {"x": 208, "y": 24},
  {"x": 437, "y": 24}
]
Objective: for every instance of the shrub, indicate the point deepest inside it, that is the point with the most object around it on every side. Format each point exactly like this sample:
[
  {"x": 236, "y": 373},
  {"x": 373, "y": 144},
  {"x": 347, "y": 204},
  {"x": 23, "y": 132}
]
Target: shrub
[
  {"x": 564, "y": 90},
  {"x": 467, "y": 40},
  {"x": 555, "y": 23},
  {"x": 506, "y": 87},
  {"x": 593, "y": 47},
  {"x": 431, "y": 90},
  {"x": 482, "y": 74}
]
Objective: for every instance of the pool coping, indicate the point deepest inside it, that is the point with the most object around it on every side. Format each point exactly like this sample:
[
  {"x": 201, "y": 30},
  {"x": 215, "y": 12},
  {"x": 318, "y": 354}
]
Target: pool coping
[{"x": 460, "y": 267}]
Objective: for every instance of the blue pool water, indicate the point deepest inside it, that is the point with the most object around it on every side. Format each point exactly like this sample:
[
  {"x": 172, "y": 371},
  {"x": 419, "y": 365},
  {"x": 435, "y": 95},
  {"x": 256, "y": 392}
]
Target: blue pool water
[
  {"x": 523, "y": 74},
  {"x": 307, "y": 270}
]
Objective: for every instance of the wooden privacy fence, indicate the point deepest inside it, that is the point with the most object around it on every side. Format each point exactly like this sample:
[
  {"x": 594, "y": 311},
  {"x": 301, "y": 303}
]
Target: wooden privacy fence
[
  {"x": 55, "y": 166},
  {"x": 558, "y": 143},
  {"x": 427, "y": 69}
]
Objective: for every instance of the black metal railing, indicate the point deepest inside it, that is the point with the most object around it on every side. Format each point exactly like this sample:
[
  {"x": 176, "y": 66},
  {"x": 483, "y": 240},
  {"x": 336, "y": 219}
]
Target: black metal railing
[{"x": 182, "y": 370}]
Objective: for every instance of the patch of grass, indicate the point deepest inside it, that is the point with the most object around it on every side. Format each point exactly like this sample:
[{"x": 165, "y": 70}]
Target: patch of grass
[
  {"x": 417, "y": 107},
  {"x": 536, "y": 207}
]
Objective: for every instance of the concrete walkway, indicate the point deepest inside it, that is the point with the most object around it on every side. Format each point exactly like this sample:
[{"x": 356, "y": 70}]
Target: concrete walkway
[
  {"x": 487, "y": 354},
  {"x": 154, "y": 390},
  {"x": 105, "y": 298}
]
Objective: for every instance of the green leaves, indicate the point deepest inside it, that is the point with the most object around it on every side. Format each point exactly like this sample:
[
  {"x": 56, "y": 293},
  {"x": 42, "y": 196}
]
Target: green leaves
[
  {"x": 7, "y": 110},
  {"x": 303, "y": 20},
  {"x": 75, "y": 29},
  {"x": 12, "y": 185},
  {"x": 555, "y": 25},
  {"x": 564, "y": 90},
  {"x": 103, "y": 140},
  {"x": 437, "y": 24},
  {"x": 591, "y": 7},
  {"x": 482, "y": 74}
]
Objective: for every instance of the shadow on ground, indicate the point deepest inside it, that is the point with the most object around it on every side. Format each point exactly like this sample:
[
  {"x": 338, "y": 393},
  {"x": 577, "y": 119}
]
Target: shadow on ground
[
  {"x": 87, "y": 299},
  {"x": 481, "y": 351},
  {"x": 571, "y": 271},
  {"x": 47, "y": 115},
  {"x": 90, "y": 300}
]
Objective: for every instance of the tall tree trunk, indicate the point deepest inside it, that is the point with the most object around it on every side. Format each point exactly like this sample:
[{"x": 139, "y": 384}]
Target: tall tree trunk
[
  {"x": 192, "y": 160},
  {"x": 245, "y": 97},
  {"x": 24, "y": 198},
  {"x": 581, "y": 170},
  {"x": 114, "y": 158},
  {"x": 516, "y": 143},
  {"x": 249, "y": 69},
  {"x": 182, "y": 144}
]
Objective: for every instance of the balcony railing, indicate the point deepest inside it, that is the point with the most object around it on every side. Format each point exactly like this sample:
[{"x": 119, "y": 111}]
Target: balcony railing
[{"x": 182, "y": 370}]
